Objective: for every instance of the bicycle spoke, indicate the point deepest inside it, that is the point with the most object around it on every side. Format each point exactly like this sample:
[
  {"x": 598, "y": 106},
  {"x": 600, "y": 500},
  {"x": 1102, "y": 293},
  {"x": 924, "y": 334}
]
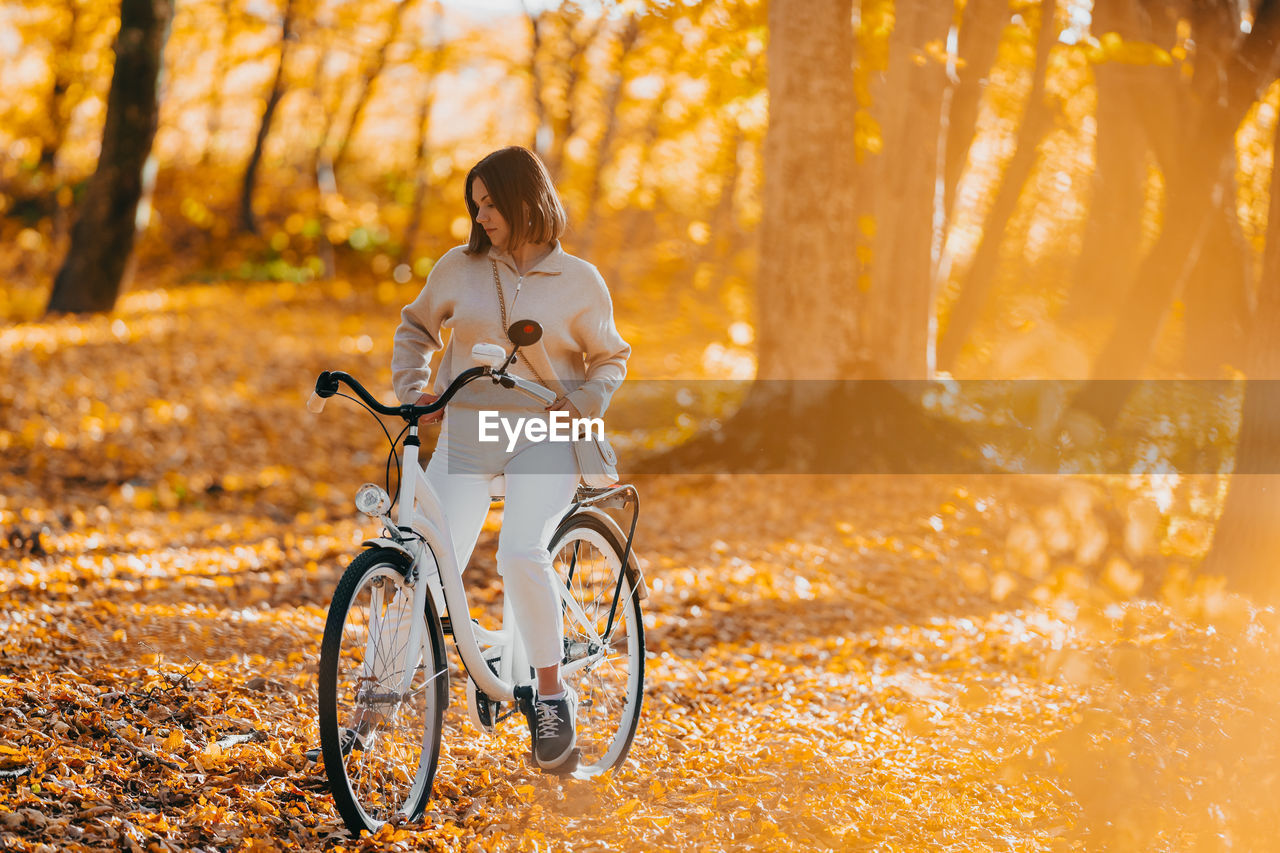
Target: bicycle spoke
[
  {"x": 606, "y": 670},
  {"x": 389, "y": 768}
]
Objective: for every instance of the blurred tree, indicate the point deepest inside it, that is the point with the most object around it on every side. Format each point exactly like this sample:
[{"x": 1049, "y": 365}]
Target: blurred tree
[
  {"x": 1138, "y": 38},
  {"x": 626, "y": 44},
  {"x": 691, "y": 121},
  {"x": 1216, "y": 296},
  {"x": 1113, "y": 231},
  {"x": 1218, "y": 280},
  {"x": 537, "y": 28},
  {"x": 57, "y": 109},
  {"x": 102, "y": 239},
  {"x": 977, "y": 39},
  {"x": 70, "y": 42},
  {"x": 561, "y": 39},
  {"x": 722, "y": 223},
  {"x": 977, "y": 280},
  {"x": 1247, "y": 537},
  {"x": 226, "y": 36},
  {"x": 907, "y": 103},
  {"x": 807, "y": 326},
  {"x": 1199, "y": 166},
  {"x": 734, "y": 79},
  {"x": 431, "y": 59},
  {"x": 248, "y": 221},
  {"x": 370, "y": 71},
  {"x": 321, "y": 164},
  {"x": 638, "y": 221}
]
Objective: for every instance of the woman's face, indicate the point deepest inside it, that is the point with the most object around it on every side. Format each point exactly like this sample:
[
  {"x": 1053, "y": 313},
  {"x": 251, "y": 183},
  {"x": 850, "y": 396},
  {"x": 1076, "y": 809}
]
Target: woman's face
[{"x": 488, "y": 216}]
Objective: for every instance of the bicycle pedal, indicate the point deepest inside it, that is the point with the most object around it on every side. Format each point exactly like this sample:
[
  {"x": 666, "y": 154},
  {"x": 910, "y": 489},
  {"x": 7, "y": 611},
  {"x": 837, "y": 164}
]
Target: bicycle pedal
[{"x": 481, "y": 709}]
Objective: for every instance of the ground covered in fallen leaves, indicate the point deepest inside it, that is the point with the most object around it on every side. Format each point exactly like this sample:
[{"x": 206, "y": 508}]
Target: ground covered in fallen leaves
[{"x": 844, "y": 663}]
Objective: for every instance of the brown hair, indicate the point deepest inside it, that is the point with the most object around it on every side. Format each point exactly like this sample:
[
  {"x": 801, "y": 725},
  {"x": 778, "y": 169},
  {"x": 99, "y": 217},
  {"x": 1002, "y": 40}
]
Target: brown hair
[{"x": 521, "y": 189}]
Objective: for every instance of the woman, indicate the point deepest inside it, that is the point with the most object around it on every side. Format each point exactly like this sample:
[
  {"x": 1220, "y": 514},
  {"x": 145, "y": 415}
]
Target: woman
[{"x": 514, "y": 251}]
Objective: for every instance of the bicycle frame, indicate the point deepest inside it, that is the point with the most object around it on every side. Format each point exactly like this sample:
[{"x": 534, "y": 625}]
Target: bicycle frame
[{"x": 438, "y": 572}]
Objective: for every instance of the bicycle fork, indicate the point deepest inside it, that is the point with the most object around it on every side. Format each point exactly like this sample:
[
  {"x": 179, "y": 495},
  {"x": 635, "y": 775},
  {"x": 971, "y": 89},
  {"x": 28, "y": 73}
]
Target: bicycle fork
[{"x": 396, "y": 633}]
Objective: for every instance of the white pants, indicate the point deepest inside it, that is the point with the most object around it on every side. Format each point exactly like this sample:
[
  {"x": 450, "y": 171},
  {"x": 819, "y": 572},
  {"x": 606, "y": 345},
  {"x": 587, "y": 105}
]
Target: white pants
[{"x": 541, "y": 478}]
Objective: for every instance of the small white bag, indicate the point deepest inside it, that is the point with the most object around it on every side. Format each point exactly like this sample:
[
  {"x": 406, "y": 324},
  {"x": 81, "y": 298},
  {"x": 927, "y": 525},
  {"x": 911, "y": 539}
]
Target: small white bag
[{"x": 597, "y": 461}]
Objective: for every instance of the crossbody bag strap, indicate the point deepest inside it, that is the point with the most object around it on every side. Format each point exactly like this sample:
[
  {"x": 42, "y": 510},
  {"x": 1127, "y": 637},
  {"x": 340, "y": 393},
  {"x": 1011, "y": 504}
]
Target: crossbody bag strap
[{"x": 502, "y": 306}]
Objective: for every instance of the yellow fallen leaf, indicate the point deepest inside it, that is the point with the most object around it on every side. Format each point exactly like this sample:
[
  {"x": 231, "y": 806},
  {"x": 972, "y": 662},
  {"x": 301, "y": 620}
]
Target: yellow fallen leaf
[{"x": 628, "y": 807}]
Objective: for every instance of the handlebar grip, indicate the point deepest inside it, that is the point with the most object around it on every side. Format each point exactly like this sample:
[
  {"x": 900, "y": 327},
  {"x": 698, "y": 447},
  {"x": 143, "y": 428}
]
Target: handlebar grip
[
  {"x": 315, "y": 403},
  {"x": 538, "y": 392}
]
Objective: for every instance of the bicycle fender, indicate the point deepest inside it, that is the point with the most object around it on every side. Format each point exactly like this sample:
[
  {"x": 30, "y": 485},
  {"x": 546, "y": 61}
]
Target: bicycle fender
[
  {"x": 382, "y": 542},
  {"x": 635, "y": 575}
]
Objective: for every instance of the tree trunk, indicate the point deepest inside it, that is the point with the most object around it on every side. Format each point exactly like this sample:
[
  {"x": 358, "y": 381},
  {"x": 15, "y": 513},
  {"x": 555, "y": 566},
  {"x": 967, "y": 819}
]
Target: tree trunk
[
  {"x": 604, "y": 147},
  {"x": 541, "y": 119},
  {"x": 1192, "y": 191},
  {"x": 557, "y": 122},
  {"x": 978, "y": 281},
  {"x": 102, "y": 239},
  {"x": 637, "y": 223},
  {"x": 1113, "y": 233},
  {"x": 1158, "y": 280},
  {"x": 248, "y": 221},
  {"x": 977, "y": 42},
  {"x": 722, "y": 221},
  {"x": 213, "y": 124},
  {"x": 421, "y": 181},
  {"x": 1247, "y": 537},
  {"x": 321, "y": 165},
  {"x": 367, "y": 81},
  {"x": 1217, "y": 294},
  {"x": 899, "y": 307},
  {"x": 805, "y": 278},
  {"x": 57, "y": 110},
  {"x": 565, "y": 121},
  {"x": 809, "y": 409}
]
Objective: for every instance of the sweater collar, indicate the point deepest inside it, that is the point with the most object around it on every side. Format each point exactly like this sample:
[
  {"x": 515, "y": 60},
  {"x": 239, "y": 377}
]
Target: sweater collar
[{"x": 552, "y": 264}]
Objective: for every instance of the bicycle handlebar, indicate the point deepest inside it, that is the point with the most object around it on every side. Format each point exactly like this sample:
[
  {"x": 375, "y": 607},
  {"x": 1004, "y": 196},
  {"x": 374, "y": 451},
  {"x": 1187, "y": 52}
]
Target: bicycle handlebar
[{"x": 328, "y": 381}]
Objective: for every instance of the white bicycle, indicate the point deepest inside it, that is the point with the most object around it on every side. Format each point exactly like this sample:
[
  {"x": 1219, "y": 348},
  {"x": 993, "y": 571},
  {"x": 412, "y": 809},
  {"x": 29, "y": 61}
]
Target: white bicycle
[{"x": 383, "y": 673}]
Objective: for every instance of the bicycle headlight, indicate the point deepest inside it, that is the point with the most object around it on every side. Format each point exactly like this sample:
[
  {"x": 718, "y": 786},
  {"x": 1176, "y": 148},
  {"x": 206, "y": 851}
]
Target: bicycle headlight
[{"x": 373, "y": 500}]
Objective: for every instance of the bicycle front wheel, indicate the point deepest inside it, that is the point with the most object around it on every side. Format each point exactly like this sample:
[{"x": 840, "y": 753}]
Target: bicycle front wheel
[
  {"x": 381, "y": 703},
  {"x": 603, "y": 662}
]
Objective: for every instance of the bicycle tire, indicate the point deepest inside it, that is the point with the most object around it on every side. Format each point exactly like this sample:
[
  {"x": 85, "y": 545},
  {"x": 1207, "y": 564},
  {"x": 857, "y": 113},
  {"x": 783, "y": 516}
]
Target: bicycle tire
[
  {"x": 370, "y": 789},
  {"x": 611, "y": 691}
]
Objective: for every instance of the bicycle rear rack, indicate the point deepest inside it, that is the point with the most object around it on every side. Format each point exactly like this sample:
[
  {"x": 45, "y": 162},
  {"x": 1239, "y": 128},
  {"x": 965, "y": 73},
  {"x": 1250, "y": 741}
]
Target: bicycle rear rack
[{"x": 609, "y": 497}]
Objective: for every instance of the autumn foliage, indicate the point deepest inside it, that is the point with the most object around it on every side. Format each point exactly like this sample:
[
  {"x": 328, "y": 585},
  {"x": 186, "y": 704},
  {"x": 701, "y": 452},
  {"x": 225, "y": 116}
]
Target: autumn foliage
[
  {"x": 893, "y": 662},
  {"x": 836, "y": 662}
]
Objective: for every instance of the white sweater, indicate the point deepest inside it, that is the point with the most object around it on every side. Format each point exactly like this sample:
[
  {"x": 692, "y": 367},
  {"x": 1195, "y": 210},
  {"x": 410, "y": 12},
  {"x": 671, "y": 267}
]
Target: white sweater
[{"x": 580, "y": 352}]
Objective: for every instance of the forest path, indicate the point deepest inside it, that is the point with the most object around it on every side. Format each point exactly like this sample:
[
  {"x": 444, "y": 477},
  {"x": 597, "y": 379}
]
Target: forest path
[{"x": 875, "y": 662}]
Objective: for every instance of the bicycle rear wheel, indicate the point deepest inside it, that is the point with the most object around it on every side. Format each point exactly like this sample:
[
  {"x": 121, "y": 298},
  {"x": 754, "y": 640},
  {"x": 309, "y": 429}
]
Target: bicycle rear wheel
[
  {"x": 603, "y": 663},
  {"x": 381, "y": 742}
]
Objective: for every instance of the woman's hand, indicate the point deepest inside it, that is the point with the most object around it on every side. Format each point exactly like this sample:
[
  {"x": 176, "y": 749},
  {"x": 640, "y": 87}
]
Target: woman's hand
[
  {"x": 562, "y": 404},
  {"x": 425, "y": 399}
]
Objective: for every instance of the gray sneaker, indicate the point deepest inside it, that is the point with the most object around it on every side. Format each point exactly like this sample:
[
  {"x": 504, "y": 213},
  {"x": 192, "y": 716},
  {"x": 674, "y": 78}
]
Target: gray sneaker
[{"x": 554, "y": 726}]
